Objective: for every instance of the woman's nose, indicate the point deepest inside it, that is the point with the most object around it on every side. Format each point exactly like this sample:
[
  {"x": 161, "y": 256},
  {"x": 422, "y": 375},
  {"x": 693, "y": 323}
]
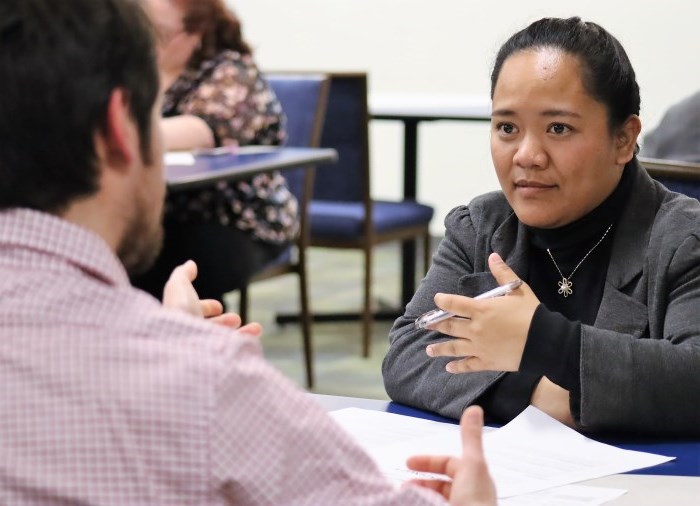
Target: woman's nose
[{"x": 530, "y": 153}]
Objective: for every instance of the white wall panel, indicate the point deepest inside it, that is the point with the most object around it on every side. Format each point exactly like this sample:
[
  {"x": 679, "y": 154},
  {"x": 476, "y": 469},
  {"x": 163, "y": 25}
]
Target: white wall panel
[{"x": 448, "y": 46}]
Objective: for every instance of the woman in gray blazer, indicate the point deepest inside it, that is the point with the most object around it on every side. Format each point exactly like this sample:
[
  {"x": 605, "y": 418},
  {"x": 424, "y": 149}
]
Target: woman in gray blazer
[{"x": 604, "y": 333}]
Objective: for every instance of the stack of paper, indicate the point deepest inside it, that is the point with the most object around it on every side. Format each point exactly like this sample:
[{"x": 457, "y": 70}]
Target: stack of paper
[{"x": 532, "y": 453}]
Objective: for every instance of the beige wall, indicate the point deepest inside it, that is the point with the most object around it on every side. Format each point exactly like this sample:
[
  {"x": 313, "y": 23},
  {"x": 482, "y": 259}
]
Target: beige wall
[{"x": 448, "y": 46}]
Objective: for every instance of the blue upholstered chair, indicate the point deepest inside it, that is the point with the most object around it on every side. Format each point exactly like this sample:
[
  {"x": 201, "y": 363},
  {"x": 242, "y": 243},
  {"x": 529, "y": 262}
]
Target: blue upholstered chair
[
  {"x": 677, "y": 176},
  {"x": 342, "y": 212},
  {"x": 303, "y": 99}
]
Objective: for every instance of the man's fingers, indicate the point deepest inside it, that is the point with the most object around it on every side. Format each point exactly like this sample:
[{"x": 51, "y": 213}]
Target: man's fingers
[
  {"x": 253, "y": 328},
  {"x": 471, "y": 482},
  {"x": 472, "y": 427},
  {"x": 188, "y": 270},
  {"x": 233, "y": 321},
  {"x": 230, "y": 320},
  {"x": 212, "y": 307},
  {"x": 183, "y": 273},
  {"x": 435, "y": 464},
  {"x": 444, "y": 488},
  {"x": 428, "y": 463},
  {"x": 178, "y": 292}
]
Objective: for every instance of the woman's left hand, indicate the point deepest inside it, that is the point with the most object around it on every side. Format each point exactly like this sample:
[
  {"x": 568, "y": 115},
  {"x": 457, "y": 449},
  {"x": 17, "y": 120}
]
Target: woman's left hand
[{"x": 491, "y": 334}]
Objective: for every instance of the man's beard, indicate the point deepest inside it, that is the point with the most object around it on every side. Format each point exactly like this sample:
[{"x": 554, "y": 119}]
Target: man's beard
[{"x": 142, "y": 240}]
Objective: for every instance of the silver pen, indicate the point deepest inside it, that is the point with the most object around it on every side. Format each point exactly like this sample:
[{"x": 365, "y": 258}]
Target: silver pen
[{"x": 438, "y": 315}]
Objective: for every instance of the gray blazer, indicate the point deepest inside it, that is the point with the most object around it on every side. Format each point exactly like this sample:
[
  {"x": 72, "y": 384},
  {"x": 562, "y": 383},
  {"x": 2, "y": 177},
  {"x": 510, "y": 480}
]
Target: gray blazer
[
  {"x": 640, "y": 361},
  {"x": 677, "y": 137}
]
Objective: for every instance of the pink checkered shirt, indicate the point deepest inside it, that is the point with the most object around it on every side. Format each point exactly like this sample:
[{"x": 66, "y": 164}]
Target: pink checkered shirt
[{"x": 109, "y": 398}]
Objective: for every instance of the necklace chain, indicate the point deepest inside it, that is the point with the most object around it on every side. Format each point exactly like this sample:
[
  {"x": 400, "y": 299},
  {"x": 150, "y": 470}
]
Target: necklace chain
[{"x": 565, "y": 285}]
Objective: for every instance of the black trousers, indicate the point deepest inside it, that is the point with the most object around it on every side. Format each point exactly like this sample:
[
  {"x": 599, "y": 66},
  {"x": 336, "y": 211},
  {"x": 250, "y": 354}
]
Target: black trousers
[{"x": 226, "y": 258}]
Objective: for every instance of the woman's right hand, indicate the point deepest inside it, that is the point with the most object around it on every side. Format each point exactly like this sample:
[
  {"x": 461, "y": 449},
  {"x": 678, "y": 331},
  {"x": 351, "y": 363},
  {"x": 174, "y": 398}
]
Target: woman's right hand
[{"x": 491, "y": 333}]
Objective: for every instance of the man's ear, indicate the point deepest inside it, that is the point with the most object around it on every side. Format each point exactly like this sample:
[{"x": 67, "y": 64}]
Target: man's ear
[
  {"x": 626, "y": 139},
  {"x": 119, "y": 137}
]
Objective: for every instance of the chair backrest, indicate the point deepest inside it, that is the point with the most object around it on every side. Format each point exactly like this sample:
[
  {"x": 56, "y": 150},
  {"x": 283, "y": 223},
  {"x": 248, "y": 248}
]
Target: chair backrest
[
  {"x": 346, "y": 130},
  {"x": 677, "y": 176},
  {"x": 303, "y": 98}
]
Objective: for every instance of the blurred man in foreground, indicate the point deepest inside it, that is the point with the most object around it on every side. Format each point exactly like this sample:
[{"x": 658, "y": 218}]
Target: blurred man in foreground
[{"x": 107, "y": 396}]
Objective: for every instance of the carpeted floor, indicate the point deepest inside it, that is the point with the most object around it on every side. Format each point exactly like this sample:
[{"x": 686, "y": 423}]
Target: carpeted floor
[{"x": 335, "y": 285}]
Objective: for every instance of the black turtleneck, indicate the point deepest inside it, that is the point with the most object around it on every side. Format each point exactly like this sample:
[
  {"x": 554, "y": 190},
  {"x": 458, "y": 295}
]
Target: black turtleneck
[{"x": 553, "y": 346}]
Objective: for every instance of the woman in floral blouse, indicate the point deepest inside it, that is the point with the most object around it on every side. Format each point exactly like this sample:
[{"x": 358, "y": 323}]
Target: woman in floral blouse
[{"x": 214, "y": 95}]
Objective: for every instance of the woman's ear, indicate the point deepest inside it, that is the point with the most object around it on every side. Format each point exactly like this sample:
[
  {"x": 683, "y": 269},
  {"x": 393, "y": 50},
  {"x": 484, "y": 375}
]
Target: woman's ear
[{"x": 626, "y": 139}]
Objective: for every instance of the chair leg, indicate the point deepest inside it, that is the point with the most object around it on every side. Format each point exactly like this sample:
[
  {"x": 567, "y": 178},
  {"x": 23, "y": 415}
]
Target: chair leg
[
  {"x": 243, "y": 305},
  {"x": 306, "y": 325},
  {"x": 367, "y": 309},
  {"x": 426, "y": 252}
]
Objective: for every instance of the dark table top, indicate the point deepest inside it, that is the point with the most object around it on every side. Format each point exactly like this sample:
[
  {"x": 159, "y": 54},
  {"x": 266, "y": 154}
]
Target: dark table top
[{"x": 208, "y": 169}]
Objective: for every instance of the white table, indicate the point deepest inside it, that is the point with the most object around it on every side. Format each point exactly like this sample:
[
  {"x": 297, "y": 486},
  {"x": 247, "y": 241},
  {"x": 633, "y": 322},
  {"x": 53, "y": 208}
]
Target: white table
[
  {"x": 651, "y": 490},
  {"x": 430, "y": 106},
  {"x": 411, "y": 109}
]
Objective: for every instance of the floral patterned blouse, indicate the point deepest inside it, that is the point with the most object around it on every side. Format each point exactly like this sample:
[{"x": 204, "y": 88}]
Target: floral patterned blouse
[{"x": 230, "y": 94}]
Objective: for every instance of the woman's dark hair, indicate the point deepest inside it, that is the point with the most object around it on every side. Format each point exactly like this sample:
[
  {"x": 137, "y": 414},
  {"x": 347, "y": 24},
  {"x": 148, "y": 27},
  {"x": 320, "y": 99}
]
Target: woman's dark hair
[
  {"x": 60, "y": 61},
  {"x": 219, "y": 26},
  {"x": 606, "y": 70}
]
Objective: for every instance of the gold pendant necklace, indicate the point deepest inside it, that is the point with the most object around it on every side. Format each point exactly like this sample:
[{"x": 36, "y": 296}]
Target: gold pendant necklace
[{"x": 566, "y": 287}]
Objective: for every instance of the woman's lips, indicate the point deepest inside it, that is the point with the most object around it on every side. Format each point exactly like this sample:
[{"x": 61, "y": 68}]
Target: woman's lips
[{"x": 529, "y": 188}]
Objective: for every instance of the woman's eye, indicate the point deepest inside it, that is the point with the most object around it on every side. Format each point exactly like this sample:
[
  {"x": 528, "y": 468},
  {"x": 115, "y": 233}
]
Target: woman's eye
[
  {"x": 506, "y": 128},
  {"x": 559, "y": 128}
]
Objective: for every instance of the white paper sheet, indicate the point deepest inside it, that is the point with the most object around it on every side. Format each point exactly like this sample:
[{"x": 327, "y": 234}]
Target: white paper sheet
[
  {"x": 533, "y": 452},
  {"x": 376, "y": 429},
  {"x": 178, "y": 158}
]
